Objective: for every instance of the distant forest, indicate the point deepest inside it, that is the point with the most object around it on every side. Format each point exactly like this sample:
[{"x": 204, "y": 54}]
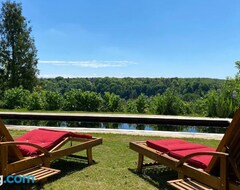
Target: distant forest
[
  {"x": 188, "y": 89},
  {"x": 165, "y": 96}
]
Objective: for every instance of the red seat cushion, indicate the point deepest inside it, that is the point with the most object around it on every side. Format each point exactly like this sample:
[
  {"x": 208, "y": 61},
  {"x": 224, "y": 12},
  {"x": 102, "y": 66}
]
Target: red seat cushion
[
  {"x": 197, "y": 161},
  {"x": 45, "y": 138},
  {"x": 168, "y": 145}
]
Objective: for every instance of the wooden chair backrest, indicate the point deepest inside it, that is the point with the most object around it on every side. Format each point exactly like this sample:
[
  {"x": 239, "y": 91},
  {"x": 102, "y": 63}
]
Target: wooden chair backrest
[
  {"x": 229, "y": 144},
  {"x": 14, "y": 153}
]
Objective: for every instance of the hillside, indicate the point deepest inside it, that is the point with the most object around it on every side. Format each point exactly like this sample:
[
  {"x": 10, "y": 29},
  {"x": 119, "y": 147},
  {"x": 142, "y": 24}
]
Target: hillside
[{"x": 130, "y": 88}]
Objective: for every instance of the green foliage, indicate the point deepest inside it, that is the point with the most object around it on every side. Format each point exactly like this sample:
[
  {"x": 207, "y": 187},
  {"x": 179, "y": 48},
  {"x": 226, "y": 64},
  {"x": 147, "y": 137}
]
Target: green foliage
[
  {"x": 90, "y": 101},
  {"x": 224, "y": 102},
  {"x": 142, "y": 104},
  {"x": 111, "y": 102},
  {"x": 53, "y": 100},
  {"x": 18, "y": 54},
  {"x": 157, "y": 106},
  {"x": 217, "y": 103},
  {"x": 237, "y": 65},
  {"x": 70, "y": 100},
  {"x": 169, "y": 104},
  {"x": 16, "y": 98},
  {"x": 131, "y": 106},
  {"x": 188, "y": 89},
  {"x": 173, "y": 105},
  {"x": 199, "y": 107},
  {"x": 36, "y": 100},
  {"x": 82, "y": 101}
]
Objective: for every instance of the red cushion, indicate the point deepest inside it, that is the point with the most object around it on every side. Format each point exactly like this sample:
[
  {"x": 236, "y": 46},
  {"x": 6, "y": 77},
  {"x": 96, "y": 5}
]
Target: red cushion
[
  {"x": 197, "y": 161},
  {"x": 167, "y": 145},
  {"x": 45, "y": 138}
]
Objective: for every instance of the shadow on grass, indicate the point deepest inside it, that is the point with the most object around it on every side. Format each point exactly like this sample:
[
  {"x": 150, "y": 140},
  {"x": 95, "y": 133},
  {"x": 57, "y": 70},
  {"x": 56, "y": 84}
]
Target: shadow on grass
[
  {"x": 67, "y": 165},
  {"x": 157, "y": 176}
]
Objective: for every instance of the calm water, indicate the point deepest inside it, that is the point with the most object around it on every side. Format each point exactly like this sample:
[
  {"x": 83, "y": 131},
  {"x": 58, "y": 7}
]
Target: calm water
[{"x": 152, "y": 127}]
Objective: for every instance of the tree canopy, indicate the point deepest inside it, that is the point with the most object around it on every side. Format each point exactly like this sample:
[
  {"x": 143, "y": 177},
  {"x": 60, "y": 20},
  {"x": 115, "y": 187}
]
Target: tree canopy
[{"x": 18, "y": 54}]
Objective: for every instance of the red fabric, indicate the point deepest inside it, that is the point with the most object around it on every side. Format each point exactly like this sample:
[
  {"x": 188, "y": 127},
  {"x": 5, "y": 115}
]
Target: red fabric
[
  {"x": 178, "y": 148},
  {"x": 167, "y": 145},
  {"x": 197, "y": 161},
  {"x": 162, "y": 145},
  {"x": 45, "y": 138}
]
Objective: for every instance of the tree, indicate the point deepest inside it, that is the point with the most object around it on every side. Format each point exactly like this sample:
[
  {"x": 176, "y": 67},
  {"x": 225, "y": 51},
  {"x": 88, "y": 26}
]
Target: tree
[
  {"x": 111, "y": 102},
  {"x": 16, "y": 98},
  {"x": 142, "y": 103},
  {"x": 237, "y": 65},
  {"x": 18, "y": 54},
  {"x": 53, "y": 100}
]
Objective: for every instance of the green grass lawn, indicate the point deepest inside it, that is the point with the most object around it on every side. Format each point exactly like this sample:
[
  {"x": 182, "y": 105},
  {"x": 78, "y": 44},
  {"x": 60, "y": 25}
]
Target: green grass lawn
[{"x": 115, "y": 168}]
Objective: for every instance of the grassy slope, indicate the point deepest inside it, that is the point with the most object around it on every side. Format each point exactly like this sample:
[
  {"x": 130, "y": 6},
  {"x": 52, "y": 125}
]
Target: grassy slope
[{"x": 115, "y": 168}]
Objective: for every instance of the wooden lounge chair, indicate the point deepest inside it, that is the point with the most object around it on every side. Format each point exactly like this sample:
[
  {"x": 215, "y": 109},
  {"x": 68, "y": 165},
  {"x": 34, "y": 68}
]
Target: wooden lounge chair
[
  {"x": 32, "y": 153},
  {"x": 196, "y": 170}
]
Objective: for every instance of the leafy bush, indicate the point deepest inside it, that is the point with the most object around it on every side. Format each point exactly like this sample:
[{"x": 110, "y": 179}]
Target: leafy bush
[
  {"x": 36, "y": 101},
  {"x": 131, "y": 106},
  {"x": 219, "y": 104},
  {"x": 111, "y": 102},
  {"x": 168, "y": 104},
  {"x": 199, "y": 107},
  {"x": 142, "y": 104},
  {"x": 157, "y": 105},
  {"x": 16, "y": 98},
  {"x": 82, "y": 101},
  {"x": 91, "y": 101},
  {"x": 70, "y": 100},
  {"x": 53, "y": 100},
  {"x": 224, "y": 102}
]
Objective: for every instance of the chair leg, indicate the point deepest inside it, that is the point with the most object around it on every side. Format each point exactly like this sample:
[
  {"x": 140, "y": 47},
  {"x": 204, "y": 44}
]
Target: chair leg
[
  {"x": 140, "y": 162},
  {"x": 89, "y": 156},
  {"x": 3, "y": 160}
]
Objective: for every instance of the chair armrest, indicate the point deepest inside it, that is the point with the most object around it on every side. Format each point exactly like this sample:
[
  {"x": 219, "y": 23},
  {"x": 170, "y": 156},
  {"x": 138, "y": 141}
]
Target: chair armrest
[
  {"x": 12, "y": 143},
  {"x": 185, "y": 158}
]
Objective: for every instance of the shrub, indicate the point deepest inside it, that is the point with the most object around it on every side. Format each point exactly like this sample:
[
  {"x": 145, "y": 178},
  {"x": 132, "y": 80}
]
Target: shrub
[
  {"x": 111, "y": 102},
  {"x": 142, "y": 104},
  {"x": 82, "y": 101},
  {"x": 53, "y": 100},
  {"x": 16, "y": 98},
  {"x": 36, "y": 101},
  {"x": 131, "y": 106}
]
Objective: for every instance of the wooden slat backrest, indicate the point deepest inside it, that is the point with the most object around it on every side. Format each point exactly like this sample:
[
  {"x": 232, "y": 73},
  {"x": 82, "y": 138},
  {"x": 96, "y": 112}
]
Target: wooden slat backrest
[
  {"x": 230, "y": 144},
  {"x": 234, "y": 152},
  {"x": 14, "y": 153}
]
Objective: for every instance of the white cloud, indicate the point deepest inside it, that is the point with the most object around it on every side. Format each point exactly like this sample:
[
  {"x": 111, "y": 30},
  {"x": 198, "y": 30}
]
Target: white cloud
[{"x": 89, "y": 64}]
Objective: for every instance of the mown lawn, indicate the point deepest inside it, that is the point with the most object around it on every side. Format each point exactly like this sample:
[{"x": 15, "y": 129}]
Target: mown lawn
[{"x": 115, "y": 168}]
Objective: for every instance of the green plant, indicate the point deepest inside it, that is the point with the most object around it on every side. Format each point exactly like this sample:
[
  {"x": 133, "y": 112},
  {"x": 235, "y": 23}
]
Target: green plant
[
  {"x": 16, "y": 98},
  {"x": 142, "y": 104},
  {"x": 111, "y": 102},
  {"x": 36, "y": 101},
  {"x": 53, "y": 100}
]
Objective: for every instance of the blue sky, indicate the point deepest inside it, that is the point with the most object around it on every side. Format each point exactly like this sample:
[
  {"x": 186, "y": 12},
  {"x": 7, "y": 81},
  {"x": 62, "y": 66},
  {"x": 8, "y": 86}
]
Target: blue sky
[{"x": 135, "y": 38}]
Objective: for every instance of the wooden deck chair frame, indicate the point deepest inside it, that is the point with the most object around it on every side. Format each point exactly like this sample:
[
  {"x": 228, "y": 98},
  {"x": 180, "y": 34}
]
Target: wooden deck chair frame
[
  {"x": 12, "y": 161},
  {"x": 225, "y": 159}
]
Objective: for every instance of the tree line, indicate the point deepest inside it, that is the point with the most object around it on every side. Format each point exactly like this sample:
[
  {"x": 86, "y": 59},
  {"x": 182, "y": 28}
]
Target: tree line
[
  {"x": 221, "y": 102},
  {"x": 187, "y": 89}
]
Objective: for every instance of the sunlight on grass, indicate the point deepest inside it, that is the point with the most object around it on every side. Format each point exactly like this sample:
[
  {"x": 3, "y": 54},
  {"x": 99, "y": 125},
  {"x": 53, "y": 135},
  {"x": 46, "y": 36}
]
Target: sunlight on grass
[{"x": 115, "y": 167}]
